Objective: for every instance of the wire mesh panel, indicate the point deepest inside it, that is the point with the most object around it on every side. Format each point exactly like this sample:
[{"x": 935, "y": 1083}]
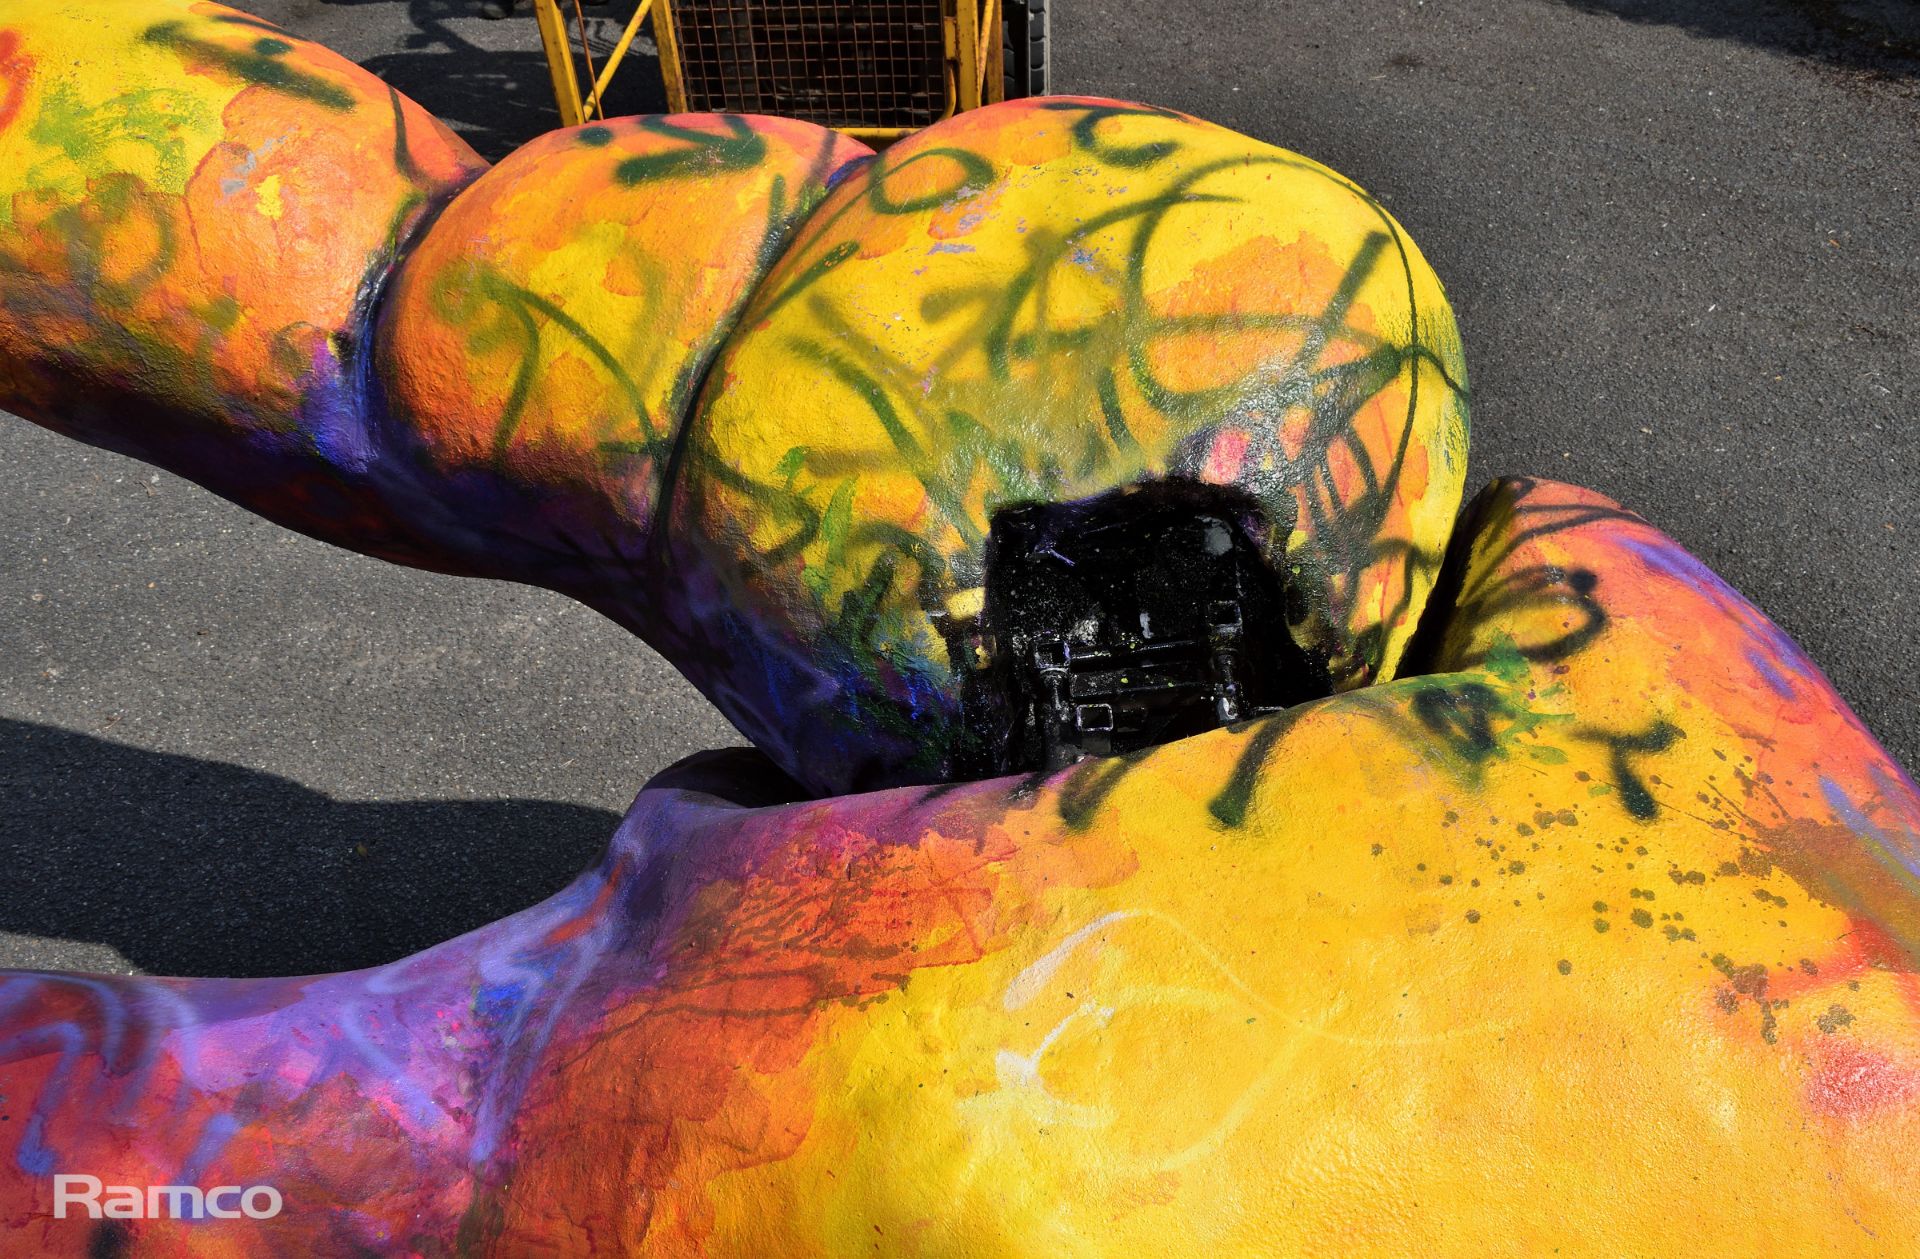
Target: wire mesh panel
[{"x": 839, "y": 63}]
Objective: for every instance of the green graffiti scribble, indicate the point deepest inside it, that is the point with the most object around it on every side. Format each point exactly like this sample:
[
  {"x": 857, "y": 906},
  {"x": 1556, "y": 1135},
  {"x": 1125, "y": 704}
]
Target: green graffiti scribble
[
  {"x": 1089, "y": 783},
  {"x": 869, "y": 390},
  {"x": 260, "y": 64},
  {"x": 1504, "y": 660},
  {"x": 814, "y": 273},
  {"x": 1130, "y": 156},
  {"x": 975, "y": 174},
  {"x": 1463, "y": 721},
  {"x": 1004, "y": 350},
  {"x": 91, "y": 139},
  {"x": 1623, "y": 750},
  {"x": 519, "y": 318},
  {"x": 1229, "y": 807},
  {"x": 705, "y": 153}
]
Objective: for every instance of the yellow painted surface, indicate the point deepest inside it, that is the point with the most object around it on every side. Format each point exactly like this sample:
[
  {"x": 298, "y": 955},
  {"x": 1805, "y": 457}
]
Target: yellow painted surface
[
  {"x": 1047, "y": 299},
  {"x": 552, "y": 327},
  {"x": 1597, "y": 941}
]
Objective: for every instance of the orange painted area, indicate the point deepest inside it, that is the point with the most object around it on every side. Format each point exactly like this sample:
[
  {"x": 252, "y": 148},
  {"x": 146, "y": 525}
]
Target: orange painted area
[
  {"x": 554, "y": 325},
  {"x": 706, "y": 1077},
  {"x": 192, "y": 221},
  {"x": 1250, "y": 306}
]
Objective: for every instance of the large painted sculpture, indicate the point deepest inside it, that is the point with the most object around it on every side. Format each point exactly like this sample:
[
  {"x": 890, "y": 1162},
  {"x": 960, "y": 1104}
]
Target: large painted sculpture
[{"x": 1562, "y": 907}]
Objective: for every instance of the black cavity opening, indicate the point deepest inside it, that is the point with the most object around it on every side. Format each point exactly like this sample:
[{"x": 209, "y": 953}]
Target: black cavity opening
[{"x": 1119, "y": 622}]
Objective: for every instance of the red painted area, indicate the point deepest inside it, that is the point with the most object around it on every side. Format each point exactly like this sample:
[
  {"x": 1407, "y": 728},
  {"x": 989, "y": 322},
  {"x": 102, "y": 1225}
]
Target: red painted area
[
  {"x": 1227, "y": 457},
  {"x": 701, "y": 1073},
  {"x": 1866, "y": 949},
  {"x": 15, "y": 69},
  {"x": 579, "y": 925},
  {"x": 1850, "y": 1081}
]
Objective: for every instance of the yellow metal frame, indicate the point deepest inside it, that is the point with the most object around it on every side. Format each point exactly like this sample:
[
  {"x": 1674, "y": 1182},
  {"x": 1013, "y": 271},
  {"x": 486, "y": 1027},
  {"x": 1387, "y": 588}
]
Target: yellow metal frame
[{"x": 970, "y": 32}]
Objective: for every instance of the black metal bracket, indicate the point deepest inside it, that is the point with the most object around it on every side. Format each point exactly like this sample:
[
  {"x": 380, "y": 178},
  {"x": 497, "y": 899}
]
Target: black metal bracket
[{"x": 1121, "y": 622}]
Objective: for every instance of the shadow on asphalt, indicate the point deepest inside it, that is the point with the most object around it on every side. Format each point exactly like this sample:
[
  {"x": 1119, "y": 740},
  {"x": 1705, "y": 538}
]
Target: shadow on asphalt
[
  {"x": 110, "y": 844},
  {"x": 498, "y": 100},
  {"x": 1875, "y": 38}
]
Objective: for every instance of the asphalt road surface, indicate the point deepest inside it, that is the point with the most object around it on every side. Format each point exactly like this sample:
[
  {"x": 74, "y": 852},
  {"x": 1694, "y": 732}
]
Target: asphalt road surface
[{"x": 1682, "y": 237}]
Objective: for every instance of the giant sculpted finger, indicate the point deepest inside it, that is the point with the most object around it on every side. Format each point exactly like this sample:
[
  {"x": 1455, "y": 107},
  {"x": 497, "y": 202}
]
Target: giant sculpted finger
[
  {"x": 753, "y": 393},
  {"x": 1043, "y": 302},
  {"x": 196, "y": 212},
  {"x": 1566, "y": 909},
  {"x": 1612, "y": 910}
]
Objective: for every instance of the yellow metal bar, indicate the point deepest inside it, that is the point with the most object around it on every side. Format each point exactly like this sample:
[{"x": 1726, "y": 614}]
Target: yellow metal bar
[
  {"x": 559, "y": 50},
  {"x": 669, "y": 43},
  {"x": 972, "y": 45},
  {"x": 967, "y": 46},
  {"x": 953, "y": 97},
  {"x": 619, "y": 54},
  {"x": 993, "y": 82}
]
